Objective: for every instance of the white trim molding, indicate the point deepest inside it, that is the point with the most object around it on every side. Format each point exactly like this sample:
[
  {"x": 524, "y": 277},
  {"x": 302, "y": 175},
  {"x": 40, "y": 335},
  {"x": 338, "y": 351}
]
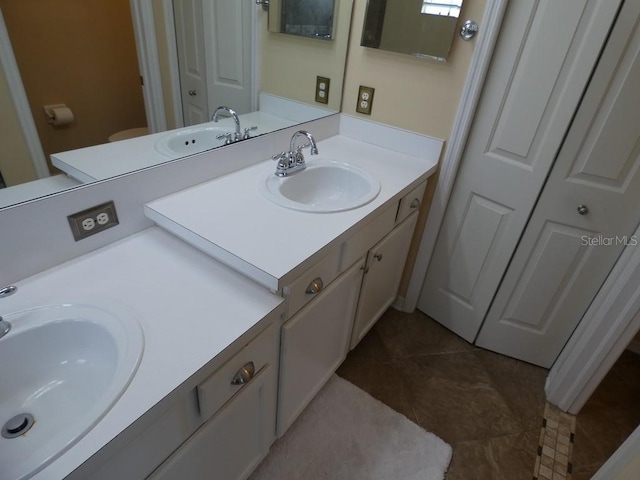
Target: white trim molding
[
  {"x": 174, "y": 69},
  {"x": 485, "y": 44},
  {"x": 149, "y": 64},
  {"x": 21, "y": 103},
  {"x": 604, "y": 332}
]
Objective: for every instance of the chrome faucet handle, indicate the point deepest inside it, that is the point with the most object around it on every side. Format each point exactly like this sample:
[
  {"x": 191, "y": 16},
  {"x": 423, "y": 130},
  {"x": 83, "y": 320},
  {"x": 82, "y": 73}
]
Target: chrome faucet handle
[
  {"x": 283, "y": 163},
  {"x": 7, "y": 291},
  {"x": 227, "y": 137},
  {"x": 279, "y": 156},
  {"x": 297, "y": 157},
  {"x": 247, "y": 130}
]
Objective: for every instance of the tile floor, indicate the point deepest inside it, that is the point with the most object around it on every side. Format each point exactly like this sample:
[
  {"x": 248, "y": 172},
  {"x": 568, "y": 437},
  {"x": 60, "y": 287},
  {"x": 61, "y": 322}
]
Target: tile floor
[{"x": 487, "y": 406}]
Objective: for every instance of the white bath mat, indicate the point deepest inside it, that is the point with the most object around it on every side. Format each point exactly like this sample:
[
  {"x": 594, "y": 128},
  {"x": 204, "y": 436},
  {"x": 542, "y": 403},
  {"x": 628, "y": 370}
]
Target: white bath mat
[{"x": 345, "y": 434}]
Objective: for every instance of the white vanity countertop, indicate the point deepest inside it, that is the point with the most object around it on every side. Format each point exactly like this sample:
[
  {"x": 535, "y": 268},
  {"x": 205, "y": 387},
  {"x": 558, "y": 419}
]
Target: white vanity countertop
[
  {"x": 190, "y": 307},
  {"x": 115, "y": 158},
  {"x": 231, "y": 220}
]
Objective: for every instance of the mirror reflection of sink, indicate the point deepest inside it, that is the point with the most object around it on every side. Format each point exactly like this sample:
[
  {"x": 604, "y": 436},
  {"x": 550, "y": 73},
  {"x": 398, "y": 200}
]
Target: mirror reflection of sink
[
  {"x": 189, "y": 141},
  {"x": 325, "y": 186},
  {"x": 63, "y": 368}
]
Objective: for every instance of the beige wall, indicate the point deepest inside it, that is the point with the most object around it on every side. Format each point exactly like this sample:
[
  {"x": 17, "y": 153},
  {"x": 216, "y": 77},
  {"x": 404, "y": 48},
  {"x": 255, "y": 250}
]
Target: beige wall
[
  {"x": 289, "y": 64},
  {"x": 81, "y": 53},
  {"x": 411, "y": 93},
  {"x": 15, "y": 160},
  {"x": 415, "y": 94}
]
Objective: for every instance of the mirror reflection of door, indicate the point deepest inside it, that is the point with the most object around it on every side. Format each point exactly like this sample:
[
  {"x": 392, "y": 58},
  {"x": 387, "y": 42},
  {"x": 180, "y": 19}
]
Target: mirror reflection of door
[
  {"x": 214, "y": 44},
  {"x": 191, "y": 60}
]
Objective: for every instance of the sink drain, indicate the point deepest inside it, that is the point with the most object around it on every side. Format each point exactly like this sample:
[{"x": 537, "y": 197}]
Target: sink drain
[{"x": 18, "y": 425}]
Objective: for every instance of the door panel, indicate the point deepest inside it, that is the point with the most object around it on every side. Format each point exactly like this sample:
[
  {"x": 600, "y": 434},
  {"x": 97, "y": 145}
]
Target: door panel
[
  {"x": 191, "y": 60},
  {"x": 542, "y": 63},
  {"x": 564, "y": 256},
  {"x": 229, "y": 54}
]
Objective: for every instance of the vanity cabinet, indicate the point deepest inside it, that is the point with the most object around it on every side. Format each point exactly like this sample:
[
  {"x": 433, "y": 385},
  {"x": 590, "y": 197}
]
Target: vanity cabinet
[
  {"x": 317, "y": 337},
  {"x": 382, "y": 275},
  {"x": 314, "y": 343},
  {"x": 238, "y": 404}
]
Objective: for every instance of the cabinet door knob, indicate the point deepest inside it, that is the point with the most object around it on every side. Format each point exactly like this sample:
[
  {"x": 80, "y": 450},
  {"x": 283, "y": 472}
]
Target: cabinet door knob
[
  {"x": 192, "y": 93},
  {"x": 245, "y": 374},
  {"x": 378, "y": 256},
  {"x": 315, "y": 286},
  {"x": 415, "y": 203},
  {"x": 583, "y": 209}
]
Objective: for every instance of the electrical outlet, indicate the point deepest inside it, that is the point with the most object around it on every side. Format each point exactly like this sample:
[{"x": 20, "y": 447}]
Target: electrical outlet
[
  {"x": 93, "y": 220},
  {"x": 322, "y": 89},
  {"x": 365, "y": 100}
]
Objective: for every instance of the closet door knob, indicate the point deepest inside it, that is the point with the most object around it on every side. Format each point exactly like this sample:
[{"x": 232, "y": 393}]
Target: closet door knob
[{"x": 583, "y": 209}]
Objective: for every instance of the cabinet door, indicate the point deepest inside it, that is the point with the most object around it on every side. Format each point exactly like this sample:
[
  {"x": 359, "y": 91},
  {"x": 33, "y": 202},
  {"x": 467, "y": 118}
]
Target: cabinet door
[
  {"x": 314, "y": 343},
  {"x": 236, "y": 439},
  {"x": 385, "y": 264}
]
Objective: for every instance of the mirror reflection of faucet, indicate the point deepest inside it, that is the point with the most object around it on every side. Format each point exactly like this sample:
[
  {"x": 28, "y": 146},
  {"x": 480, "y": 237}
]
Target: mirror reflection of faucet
[
  {"x": 5, "y": 326},
  {"x": 231, "y": 137},
  {"x": 293, "y": 161}
]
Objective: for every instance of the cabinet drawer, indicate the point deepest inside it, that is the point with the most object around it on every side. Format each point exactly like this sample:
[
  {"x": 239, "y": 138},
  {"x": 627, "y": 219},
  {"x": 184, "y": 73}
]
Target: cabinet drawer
[
  {"x": 326, "y": 270},
  {"x": 218, "y": 388},
  {"x": 365, "y": 238},
  {"x": 411, "y": 202}
]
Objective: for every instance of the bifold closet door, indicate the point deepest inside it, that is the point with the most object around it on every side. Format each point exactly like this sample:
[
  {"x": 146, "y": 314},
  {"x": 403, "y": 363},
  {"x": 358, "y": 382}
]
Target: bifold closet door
[
  {"x": 586, "y": 214},
  {"x": 543, "y": 60}
]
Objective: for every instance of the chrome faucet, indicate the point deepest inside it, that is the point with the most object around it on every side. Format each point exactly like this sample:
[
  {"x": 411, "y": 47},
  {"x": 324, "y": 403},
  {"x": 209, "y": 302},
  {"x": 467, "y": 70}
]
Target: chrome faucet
[
  {"x": 230, "y": 113},
  {"x": 229, "y": 137},
  {"x": 293, "y": 161},
  {"x": 4, "y": 325}
]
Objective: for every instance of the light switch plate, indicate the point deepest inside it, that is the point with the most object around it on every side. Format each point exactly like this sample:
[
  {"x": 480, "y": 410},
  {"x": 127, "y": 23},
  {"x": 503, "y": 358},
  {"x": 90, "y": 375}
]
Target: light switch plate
[
  {"x": 322, "y": 89},
  {"x": 365, "y": 99}
]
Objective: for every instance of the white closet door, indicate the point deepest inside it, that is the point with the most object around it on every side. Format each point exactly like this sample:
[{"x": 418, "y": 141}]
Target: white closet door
[
  {"x": 190, "y": 42},
  {"x": 588, "y": 210},
  {"x": 229, "y": 45},
  {"x": 543, "y": 60}
]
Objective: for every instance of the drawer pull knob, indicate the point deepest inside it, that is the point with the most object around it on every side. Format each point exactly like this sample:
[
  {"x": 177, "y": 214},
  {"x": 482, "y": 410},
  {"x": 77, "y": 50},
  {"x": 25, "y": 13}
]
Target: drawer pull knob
[
  {"x": 315, "y": 286},
  {"x": 245, "y": 374},
  {"x": 378, "y": 256},
  {"x": 415, "y": 203}
]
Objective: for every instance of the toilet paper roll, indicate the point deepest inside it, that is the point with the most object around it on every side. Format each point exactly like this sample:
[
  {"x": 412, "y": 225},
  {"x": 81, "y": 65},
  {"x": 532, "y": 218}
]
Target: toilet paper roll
[{"x": 59, "y": 114}]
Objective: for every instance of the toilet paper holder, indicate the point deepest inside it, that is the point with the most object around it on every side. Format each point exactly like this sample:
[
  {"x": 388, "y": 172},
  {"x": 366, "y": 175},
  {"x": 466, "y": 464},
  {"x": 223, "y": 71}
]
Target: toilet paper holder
[{"x": 58, "y": 114}]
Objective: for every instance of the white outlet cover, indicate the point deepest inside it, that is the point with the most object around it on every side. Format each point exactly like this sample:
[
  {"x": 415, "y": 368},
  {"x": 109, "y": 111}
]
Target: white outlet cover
[{"x": 88, "y": 224}]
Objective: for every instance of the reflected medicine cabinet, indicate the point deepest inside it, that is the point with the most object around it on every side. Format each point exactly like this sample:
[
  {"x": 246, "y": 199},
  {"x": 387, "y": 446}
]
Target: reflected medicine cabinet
[
  {"x": 423, "y": 28},
  {"x": 307, "y": 18}
]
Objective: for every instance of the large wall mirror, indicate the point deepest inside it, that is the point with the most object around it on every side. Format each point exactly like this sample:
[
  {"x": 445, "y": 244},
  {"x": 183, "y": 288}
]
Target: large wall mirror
[
  {"x": 423, "y": 28},
  {"x": 306, "y": 18},
  {"x": 82, "y": 53}
]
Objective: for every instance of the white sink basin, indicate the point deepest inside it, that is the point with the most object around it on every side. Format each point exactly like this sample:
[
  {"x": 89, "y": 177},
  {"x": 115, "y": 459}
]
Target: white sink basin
[
  {"x": 66, "y": 365},
  {"x": 188, "y": 141},
  {"x": 325, "y": 186}
]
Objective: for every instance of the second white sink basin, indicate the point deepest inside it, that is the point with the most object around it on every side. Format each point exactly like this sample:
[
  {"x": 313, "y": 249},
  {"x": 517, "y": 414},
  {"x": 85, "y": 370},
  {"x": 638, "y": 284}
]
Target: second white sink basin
[
  {"x": 325, "y": 186},
  {"x": 189, "y": 141},
  {"x": 63, "y": 368}
]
